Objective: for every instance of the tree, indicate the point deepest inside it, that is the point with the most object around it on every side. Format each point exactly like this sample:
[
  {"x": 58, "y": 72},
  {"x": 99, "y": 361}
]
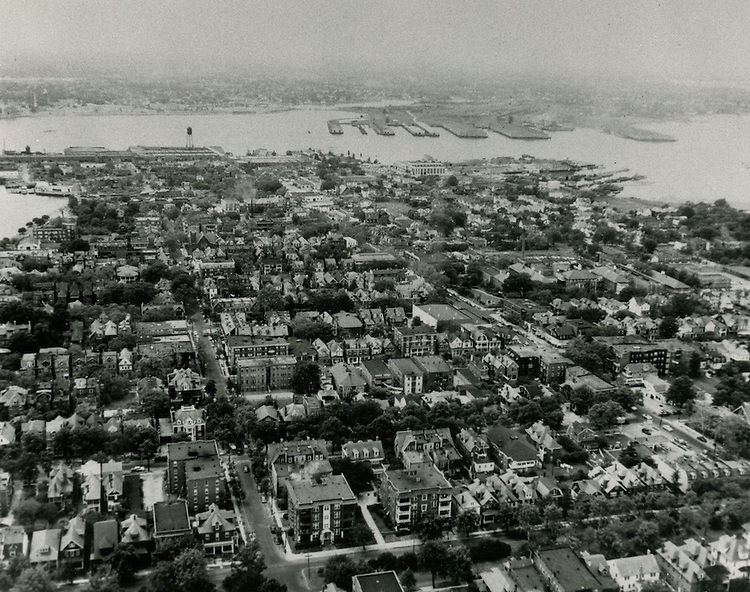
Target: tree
[
  {"x": 360, "y": 535},
  {"x": 339, "y": 570},
  {"x": 33, "y": 579},
  {"x": 457, "y": 565},
  {"x": 247, "y": 570},
  {"x": 432, "y": 557},
  {"x": 186, "y": 573},
  {"x": 591, "y": 355},
  {"x": 124, "y": 562},
  {"x": 466, "y": 523},
  {"x": 517, "y": 283},
  {"x": 359, "y": 475},
  {"x": 668, "y": 328},
  {"x": 681, "y": 393},
  {"x": 430, "y": 527},
  {"x": 408, "y": 580},
  {"x": 604, "y": 415},
  {"x": 103, "y": 579},
  {"x": 306, "y": 378},
  {"x": 156, "y": 404}
]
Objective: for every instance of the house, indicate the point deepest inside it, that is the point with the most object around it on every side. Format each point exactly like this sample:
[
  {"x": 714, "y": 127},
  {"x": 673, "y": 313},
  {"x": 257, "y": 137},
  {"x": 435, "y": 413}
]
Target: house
[
  {"x": 476, "y": 449},
  {"x": 135, "y": 532},
  {"x": 60, "y": 485},
  {"x": 631, "y": 573},
  {"x": 105, "y": 536},
  {"x": 72, "y": 543},
  {"x": 370, "y": 451},
  {"x": 432, "y": 445},
  {"x": 683, "y": 566},
  {"x": 733, "y": 552},
  {"x": 44, "y": 548},
  {"x": 348, "y": 379},
  {"x": 217, "y": 530},
  {"x": 189, "y": 420},
  {"x": 7, "y": 433},
  {"x": 286, "y": 458},
  {"x": 171, "y": 520},
  {"x": 13, "y": 542},
  {"x": 512, "y": 450},
  {"x": 102, "y": 485},
  {"x": 321, "y": 510},
  {"x": 544, "y": 439},
  {"x": 564, "y": 571}
]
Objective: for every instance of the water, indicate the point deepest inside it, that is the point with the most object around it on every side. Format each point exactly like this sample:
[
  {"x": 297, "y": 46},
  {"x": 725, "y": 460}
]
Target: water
[
  {"x": 17, "y": 210},
  {"x": 709, "y": 161}
]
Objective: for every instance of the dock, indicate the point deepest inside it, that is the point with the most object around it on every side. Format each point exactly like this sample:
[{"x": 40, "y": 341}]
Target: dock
[
  {"x": 463, "y": 131},
  {"x": 361, "y": 128},
  {"x": 414, "y": 130},
  {"x": 425, "y": 131},
  {"x": 381, "y": 129},
  {"x": 518, "y": 132},
  {"x": 335, "y": 128}
]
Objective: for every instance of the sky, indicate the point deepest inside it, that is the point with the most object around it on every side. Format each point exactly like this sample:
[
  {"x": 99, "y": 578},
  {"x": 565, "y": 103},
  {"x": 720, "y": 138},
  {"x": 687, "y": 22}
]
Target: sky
[{"x": 668, "y": 40}]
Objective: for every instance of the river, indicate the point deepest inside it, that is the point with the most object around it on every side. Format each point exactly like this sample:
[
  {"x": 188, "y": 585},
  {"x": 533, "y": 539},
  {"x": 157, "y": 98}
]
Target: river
[
  {"x": 710, "y": 159},
  {"x": 17, "y": 210}
]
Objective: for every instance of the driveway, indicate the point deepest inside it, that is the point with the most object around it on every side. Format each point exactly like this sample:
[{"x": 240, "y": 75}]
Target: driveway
[{"x": 153, "y": 488}]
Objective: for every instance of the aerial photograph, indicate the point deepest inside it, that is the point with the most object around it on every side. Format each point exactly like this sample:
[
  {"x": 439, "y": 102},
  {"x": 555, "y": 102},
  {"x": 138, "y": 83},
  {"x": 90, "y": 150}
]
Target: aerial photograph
[{"x": 386, "y": 296}]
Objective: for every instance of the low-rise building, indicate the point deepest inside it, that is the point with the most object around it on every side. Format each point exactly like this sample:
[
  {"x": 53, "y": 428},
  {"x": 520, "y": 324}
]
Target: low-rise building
[
  {"x": 217, "y": 530},
  {"x": 408, "y": 494},
  {"x": 321, "y": 511}
]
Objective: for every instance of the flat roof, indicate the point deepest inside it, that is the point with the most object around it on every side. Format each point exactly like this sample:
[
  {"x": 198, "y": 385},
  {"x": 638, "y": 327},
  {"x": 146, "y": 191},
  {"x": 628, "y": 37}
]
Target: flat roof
[{"x": 384, "y": 581}]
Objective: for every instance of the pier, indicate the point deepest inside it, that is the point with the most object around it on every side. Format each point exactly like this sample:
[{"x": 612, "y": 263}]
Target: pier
[
  {"x": 518, "y": 132},
  {"x": 381, "y": 128},
  {"x": 463, "y": 131},
  {"x": 335, "y": 128}
]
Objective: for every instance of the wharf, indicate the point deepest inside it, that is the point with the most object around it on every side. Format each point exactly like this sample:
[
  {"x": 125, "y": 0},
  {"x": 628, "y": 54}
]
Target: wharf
[
  {"x": 335, "y": 128},
  {"x": 518, "y": 132}
]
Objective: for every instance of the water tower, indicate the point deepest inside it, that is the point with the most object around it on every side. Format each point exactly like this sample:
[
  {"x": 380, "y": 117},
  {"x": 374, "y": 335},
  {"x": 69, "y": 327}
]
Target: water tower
[{"x": 189, "y": 141}]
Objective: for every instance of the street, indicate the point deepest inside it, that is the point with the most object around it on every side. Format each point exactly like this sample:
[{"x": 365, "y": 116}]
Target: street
[{"x": 213, "y": 370}]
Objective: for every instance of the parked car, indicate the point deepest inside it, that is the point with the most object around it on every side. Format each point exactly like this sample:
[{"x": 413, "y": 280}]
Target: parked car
[{"x": 246, "y": 469}]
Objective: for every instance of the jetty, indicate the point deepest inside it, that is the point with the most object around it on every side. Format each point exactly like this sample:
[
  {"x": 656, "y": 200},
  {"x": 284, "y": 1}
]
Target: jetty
[
  {"x": 381, "y": 129},
  {"x": 518, "y": 132},
  {"x": 414, "y": 130},
  {"x": 463, "y": 131},
  {"x": 335, "y": 128}
]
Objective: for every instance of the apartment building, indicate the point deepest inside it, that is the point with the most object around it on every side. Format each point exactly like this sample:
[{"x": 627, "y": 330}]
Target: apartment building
[
  {"x": 408, "y": 494},
  {"x": 321, "y": 511}
]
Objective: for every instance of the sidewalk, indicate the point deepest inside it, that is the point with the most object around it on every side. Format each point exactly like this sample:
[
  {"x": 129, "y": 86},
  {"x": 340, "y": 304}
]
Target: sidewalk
[{"x": 370, "y": 522}]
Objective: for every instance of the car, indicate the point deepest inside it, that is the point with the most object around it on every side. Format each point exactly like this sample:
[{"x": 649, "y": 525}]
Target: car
[
  {"x": 245, "y": 469},
  {"x": 667, "y": 428},
  {"x": 139, "y": 469},
  {"x": 647, "y": 417},
  {"x": 646, "y": 431},
  {"x": 701, "y": 439}
]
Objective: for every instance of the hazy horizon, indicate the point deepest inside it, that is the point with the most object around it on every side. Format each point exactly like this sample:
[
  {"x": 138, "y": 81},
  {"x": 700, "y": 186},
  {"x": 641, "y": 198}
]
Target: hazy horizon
[{"x": 670, "y": 41}]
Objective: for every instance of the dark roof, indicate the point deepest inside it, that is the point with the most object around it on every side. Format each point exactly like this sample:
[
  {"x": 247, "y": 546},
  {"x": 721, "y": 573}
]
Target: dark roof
[
  {"x": 170, "y": 517},
  {"x": 186, "y": 450},
  {"x": 384, "y": 581}
]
